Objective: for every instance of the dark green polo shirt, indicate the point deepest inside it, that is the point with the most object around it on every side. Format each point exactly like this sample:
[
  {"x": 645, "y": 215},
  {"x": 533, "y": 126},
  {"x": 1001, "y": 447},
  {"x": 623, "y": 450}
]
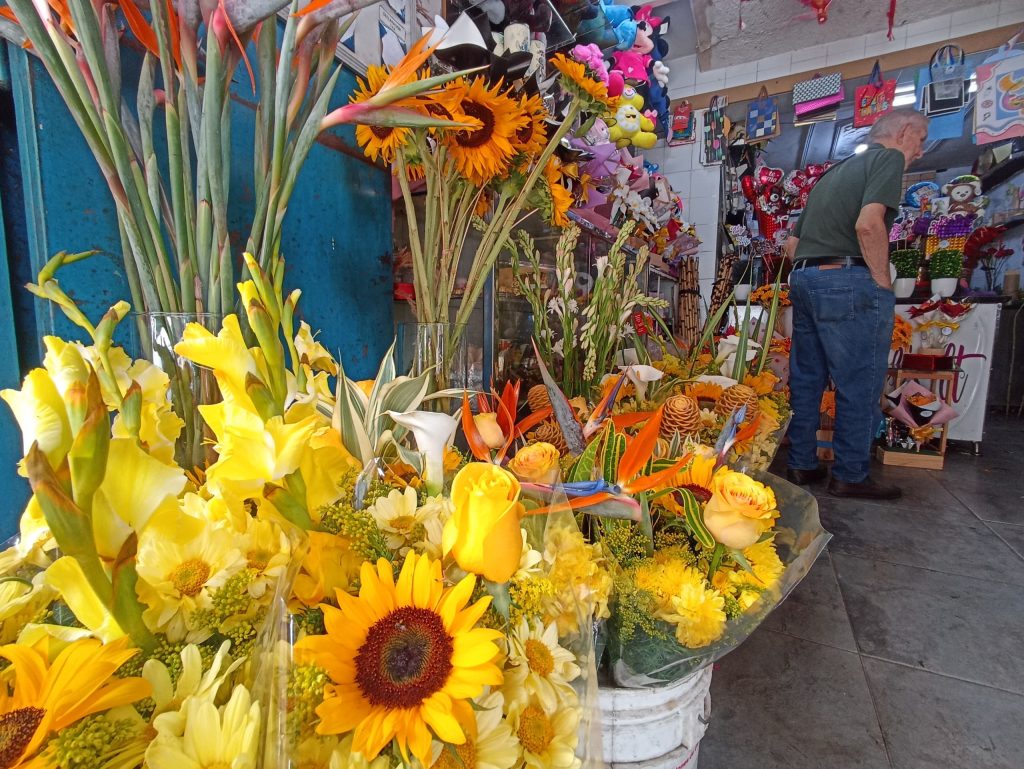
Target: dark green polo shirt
[{"x": 827, "y": 225}]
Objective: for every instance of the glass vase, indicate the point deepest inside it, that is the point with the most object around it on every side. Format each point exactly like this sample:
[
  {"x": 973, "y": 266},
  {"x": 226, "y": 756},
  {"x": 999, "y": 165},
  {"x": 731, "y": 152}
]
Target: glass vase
[
  {"x": 440, "y": 348},
  {"x": 191, "y": 385}
]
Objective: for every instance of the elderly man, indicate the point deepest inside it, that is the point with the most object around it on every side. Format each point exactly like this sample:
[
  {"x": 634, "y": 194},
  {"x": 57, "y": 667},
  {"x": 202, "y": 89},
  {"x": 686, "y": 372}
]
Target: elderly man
[{"x": 843, "y": 304}]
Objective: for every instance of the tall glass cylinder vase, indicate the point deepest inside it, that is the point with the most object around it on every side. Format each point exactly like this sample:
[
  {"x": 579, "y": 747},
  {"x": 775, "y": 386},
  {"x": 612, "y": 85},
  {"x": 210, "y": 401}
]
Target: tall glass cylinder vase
[
  {"x": 191, "y": 385},
  {"x": 438, "y": 347}
]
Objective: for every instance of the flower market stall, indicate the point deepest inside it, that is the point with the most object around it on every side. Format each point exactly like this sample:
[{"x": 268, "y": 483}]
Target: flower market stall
[{"x": 237, "y": 555}]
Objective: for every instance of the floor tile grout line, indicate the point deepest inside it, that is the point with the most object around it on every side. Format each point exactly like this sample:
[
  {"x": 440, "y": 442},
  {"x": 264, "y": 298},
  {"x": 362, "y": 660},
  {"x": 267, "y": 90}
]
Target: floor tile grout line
[
  {"x": 933, "y": 571},
  {"x": 874, "y": 707},
  {"x": 947, "y": 676},
  {"x": 973, "y": 512},
  {"x": 810, "y": 640},
  {"x": 1004, "y": 540}
]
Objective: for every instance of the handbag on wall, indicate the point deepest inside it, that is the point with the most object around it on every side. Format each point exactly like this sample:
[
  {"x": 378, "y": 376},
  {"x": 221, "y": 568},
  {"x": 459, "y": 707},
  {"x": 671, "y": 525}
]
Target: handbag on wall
[
  {"x": 947, "y": 91},
  {"x": 713, "y": 138},
  {"x": 873, "y": 99},
  {"x": 763, "y": 118},
  {"x": 818, "y": 93},
  {"x": 682, "y": 125}
]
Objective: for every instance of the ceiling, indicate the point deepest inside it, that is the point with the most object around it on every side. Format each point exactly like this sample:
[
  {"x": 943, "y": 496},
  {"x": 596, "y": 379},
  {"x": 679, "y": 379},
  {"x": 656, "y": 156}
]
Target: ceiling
[{"x": 771, "y": 27}]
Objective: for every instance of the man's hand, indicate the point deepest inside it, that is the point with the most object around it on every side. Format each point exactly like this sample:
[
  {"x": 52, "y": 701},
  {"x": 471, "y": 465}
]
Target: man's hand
[{"x": 873, "y": 237}]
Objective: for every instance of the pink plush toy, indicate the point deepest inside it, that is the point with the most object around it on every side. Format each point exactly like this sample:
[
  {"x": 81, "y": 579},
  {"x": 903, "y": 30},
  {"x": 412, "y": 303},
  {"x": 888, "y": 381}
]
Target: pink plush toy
[
  {"x": 632, "y": 65},
  {"x": 591, "y": 56}
]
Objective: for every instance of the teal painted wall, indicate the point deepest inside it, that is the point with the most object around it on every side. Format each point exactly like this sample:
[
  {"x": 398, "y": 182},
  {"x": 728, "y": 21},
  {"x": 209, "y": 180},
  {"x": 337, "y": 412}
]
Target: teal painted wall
[{"x": 336, "y": 240}]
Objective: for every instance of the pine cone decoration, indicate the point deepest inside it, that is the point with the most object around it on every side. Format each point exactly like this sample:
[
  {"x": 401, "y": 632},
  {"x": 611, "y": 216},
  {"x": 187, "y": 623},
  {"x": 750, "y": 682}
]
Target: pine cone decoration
[
  {"x": 736, "y": 396},
  {"x": 550, "y": 432},
  {"x": 538, "y": 398},
  {"x": 681, "y": 415}
]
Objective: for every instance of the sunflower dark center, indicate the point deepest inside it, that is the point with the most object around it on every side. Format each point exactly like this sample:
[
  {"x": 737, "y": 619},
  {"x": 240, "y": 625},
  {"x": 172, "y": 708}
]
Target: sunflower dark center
[
  {"x": 381, "y": 131},
  {"x": 438, "y": 110},
  {"x": 524, "y": 134},
  {"x": 703, "y": 495},
  {"x": 17, "y": 728},
  {"x": 479, "y": 136},
  {"x": 407, "y": 656}
]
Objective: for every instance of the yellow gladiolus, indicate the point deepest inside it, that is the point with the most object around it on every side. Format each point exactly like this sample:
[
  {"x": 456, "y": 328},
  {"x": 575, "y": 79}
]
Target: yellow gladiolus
[
  {"x": 740, "y": 509},
  {"x": 66, "y": 576},
  {"x": 225, "y": 353},
  {"x": 483, "y": 532},
  {"x": 536, "y": 463},
  {"x": 42, "y": 416}
]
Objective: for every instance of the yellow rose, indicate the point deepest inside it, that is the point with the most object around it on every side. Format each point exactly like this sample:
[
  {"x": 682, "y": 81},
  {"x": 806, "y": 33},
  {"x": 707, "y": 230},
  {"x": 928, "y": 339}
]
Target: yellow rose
[
  {"x": 740, "y": 509},
  {"x": 483, "y": 531},
  {"x": 491, "y": 433},
  {"x": 536, "y": 463}
]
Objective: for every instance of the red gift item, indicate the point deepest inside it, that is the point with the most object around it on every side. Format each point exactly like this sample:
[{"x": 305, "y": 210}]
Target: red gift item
[
  {"x": 922, "y": 362},
  {"x": 404, "y": 292},
  {"x": 639, "y": 323}
]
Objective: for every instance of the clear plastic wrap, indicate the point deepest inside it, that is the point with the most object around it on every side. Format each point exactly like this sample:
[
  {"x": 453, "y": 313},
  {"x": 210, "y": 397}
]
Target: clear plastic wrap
[{"x": 646, "y": 661}]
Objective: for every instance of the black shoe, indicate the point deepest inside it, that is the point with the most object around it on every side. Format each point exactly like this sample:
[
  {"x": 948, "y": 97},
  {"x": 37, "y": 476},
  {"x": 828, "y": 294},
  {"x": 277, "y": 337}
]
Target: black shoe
[
  {"x": 866, "y": 489},
  {"x": 806, "y": 477}
]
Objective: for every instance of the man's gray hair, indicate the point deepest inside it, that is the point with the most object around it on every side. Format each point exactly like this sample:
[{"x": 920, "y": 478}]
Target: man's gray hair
[{"x": 891, "y": 123}]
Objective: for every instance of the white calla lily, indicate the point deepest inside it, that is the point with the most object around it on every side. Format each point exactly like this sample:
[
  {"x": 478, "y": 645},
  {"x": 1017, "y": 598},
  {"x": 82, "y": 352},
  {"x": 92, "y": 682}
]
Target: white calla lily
[
  {"x": 640, "y": 376},
  {"x": 434, "y": 433}
]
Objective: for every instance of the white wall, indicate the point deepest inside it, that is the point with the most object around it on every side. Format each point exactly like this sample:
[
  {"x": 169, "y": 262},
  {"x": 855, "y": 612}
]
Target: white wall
[{"x": 686, "y": 79}]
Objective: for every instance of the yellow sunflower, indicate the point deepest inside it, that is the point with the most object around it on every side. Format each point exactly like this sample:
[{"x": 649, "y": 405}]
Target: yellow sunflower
[
  {"x": 704, "y": 392},
  {"x": 377, "y": 141},
  {"x": 696, "y": 477},
  {"x": 46, "y": 697},
  {"x": 483, "y": 153},
  {"x": 531, "y": 139},
  {"x": 561, "y": 198},
  {"x": 401, "y": 658},
  {"x": 577, "y": 81}
]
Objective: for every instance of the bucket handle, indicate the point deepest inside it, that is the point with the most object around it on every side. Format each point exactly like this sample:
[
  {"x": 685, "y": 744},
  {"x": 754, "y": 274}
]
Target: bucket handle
[{"x": 705, "y": 717}]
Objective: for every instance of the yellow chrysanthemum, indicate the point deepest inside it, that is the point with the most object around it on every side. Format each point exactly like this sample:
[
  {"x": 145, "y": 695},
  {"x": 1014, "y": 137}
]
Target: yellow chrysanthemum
[
  {"x": 377, "y": 141},
  {"x": 548, "y": 739},
  {"x": 579, "y": 578},
  {"x": 45, "y": 697},
  {"x": 205, "y": 736},
  {"x": 699, "y": 613},
  {"x": 182, "y": 560},
  {"x": 483, "y": 153},
  {"x": 765, "y": 562},
  {"x": 398, "y": 516},
  {"x": 576, "y": 80},
  {"x": 664, "y": 578},
  {"x": 400, "y": 656},
  {"x": 489, "y": 743},
  {"x": 537, "y": 666},
  {"x": 532, "y": 137}
]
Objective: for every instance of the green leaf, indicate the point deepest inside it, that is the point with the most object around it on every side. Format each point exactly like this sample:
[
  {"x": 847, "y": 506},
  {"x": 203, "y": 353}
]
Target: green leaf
[
  {"x": 348, "y": 421},
  {"x": 583, "y": 468},
  {"x": 126, "y": 608},
  {"x": 614, "y": 448},
  {"x": 401, "y": 396},
  {"x": 695, "y": 518}
]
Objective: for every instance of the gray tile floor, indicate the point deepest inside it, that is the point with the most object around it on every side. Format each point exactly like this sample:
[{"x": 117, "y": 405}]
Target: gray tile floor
[{"x": 904, "y": 646}]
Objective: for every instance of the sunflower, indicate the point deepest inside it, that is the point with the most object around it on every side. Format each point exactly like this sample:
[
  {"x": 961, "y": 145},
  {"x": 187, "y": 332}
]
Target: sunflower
[
  {"x": 377, "y": 141},
  {"x": 704, "y": 392},
  {"x": 401, "y": 657},
  {"x": 44, "y": 698},
  {"x": 533, "y": 136},
  {"x": 561, "y": 198},
  {"x": 483, "y": 153},
  {"x": 577, "y": 81},
  {"x": 696, "y": 476}
]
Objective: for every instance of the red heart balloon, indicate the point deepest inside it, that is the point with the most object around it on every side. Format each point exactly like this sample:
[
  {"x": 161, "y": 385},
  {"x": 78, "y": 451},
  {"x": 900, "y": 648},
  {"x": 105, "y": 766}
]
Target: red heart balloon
[
  {"x": 747, "y": 183},
  {"x": 769, "y": 176},
  {"x": 815, "y": 170}
]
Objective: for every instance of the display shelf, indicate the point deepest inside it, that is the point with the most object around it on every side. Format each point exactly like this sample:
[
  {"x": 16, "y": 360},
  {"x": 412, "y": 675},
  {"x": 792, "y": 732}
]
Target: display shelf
[{"x": 1000, "y": 173}]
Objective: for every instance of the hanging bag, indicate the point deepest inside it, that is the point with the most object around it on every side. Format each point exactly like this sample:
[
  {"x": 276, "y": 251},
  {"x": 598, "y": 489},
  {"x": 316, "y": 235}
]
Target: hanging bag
[
  {"x": 999, "y": 104},
  {"x": 763, "y": 118},
  {"x": 946, "y": 92},
  {"x": 713, "y": 138},
  {"x": 819, "y": 93},
  {"x": 873, "y": 99}
]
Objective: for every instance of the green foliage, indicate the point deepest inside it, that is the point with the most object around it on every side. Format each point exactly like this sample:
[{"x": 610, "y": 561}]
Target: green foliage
[
  {"x": 946, "y": 263},
  {"x": 906, "y": 261}
]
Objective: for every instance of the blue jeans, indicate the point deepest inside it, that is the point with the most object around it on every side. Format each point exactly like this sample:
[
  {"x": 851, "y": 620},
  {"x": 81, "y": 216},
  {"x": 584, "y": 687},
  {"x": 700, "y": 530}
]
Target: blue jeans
[{"x": 842, "y": 328}]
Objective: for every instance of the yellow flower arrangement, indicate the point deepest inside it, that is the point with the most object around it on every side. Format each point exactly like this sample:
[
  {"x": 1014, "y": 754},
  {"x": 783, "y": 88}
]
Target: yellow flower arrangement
[
  {"x": 740, "y": 509},
  {"x": 373, "y": 639},
  {"x": 536, "y": 463}
]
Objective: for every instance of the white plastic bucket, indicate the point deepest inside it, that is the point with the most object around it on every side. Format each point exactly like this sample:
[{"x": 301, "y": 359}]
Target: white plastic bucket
[{"x": 660, "y": 728}]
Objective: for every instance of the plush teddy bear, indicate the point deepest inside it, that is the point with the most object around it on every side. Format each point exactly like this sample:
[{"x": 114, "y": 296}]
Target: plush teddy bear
[
  {"x": 964, "y": 194},
  {"x": 631, "y": 125}
]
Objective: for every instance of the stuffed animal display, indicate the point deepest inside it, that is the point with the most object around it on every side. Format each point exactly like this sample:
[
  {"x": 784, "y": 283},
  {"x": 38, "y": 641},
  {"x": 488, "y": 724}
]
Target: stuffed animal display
[{"x": 631, "y": 125}]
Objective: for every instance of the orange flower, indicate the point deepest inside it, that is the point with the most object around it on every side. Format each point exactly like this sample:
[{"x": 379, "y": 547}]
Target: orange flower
[
  {"x": 902, "y": 333},
  {"x": 704, "y": 391},
  {"x": 763, "y": 383}
]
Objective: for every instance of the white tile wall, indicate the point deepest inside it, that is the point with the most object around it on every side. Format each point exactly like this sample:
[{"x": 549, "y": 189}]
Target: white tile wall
[
  {"x": 878, "y": 43},
  {"x": 710, "y": 80},
  {"x": 938, "y": 25},
  {"x": 741, "y": 74},
  {"x": 1011, "y": 12},
  {"x": 845, "y": 50},
  {"x": 811, "y": 56}
]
